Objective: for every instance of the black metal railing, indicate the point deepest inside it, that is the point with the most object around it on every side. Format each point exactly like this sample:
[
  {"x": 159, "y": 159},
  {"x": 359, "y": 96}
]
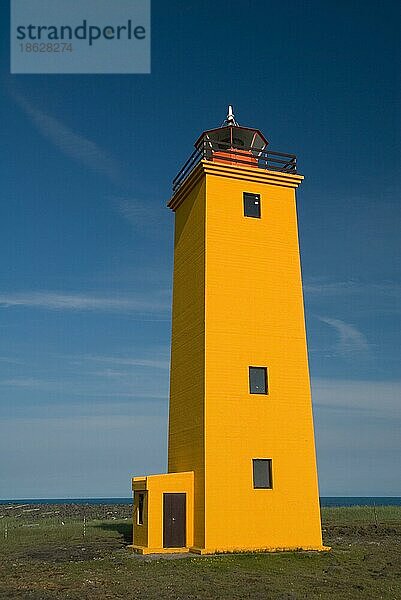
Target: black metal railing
[{"x": 217, "y": 151}]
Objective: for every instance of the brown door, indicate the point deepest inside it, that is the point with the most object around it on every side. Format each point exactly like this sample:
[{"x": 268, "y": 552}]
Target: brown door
[{"x": 174, "y": 521}]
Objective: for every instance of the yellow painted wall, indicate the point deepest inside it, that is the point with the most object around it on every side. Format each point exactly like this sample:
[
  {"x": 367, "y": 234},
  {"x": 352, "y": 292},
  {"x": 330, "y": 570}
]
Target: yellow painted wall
[
  {"x": 255, "y": 316},
  {"x": 186, "y": 417},
  {"x": 242, "y": 276}
]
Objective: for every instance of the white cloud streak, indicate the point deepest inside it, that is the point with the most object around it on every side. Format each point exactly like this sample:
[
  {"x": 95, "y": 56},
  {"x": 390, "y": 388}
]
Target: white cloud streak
[
  {"x": 138, "y": 213},
  {"x": 340, "y": 288},
  {"x": 86, "y": 389},
  {"x": 350, "y": 338},
  {"x": 83, "y": 302},
  {"x": 132, "y": 210},
  {"x": 380, "y": 398},
  {"x": 10, "y": 361},
  {"x": 72, "y": 144},
  {"x": 26, "y": 382},
  {"x": 134, "y": 362}
]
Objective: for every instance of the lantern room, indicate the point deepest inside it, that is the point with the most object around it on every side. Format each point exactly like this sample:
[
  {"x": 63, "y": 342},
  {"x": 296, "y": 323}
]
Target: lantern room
[{"x": 232, "y": 143}]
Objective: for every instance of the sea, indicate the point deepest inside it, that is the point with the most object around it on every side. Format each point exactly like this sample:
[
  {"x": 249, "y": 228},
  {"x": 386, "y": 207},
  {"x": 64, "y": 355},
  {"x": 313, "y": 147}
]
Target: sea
[{"x": 325, "y": 501}]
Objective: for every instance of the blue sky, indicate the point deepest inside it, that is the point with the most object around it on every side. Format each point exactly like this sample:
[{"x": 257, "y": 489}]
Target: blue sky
[{"x": 86, "y": 241}]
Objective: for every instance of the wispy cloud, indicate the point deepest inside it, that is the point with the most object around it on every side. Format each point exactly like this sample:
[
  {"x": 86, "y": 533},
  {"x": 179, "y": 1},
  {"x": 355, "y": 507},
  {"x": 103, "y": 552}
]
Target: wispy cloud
[
  {"x": 132, "y": 210},
  {"x": 72, "y": 144},
  {"x": 134, "y": 362},
  {"x": 25, "y": 382},
  {"x": 380, "y": 398},
  {"x": 84, "y": 302},
  {"x": 10, "y": 361},
  {"x": 88, "y": 389},
  {"x": 350, "y": 339},
  {"x": 138, "y": 213},
  {"x": 339, "y": 288},
  {"x": 109, "y": 374},
  {"x": 358, "y": 436}
]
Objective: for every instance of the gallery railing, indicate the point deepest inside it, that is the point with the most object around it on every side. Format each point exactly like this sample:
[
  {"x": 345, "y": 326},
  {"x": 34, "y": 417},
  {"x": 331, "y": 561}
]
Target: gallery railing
[{"x": 223, "y": 152}]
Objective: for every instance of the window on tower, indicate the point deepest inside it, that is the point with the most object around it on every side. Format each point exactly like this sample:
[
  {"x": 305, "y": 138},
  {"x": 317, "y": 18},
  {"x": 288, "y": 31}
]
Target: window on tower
[
  {"x": 262, "y": 474},
  {"x": 258, "y": 380},
  {"x": 252, "y": 205}
]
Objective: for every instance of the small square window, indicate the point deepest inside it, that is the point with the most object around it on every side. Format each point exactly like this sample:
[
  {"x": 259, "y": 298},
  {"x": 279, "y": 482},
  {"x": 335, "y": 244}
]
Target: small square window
[
  {"x": 262, "y": 474},
  {"x": 258, "y": 380},
  {"x": 252, "y": 205},
  {"x": 139, "y": 514}
]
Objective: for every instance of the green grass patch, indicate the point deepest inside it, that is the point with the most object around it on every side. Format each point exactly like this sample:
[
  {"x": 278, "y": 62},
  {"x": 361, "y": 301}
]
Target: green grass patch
[
  {"x": 361, "y": 515},
  {"x": 58, "y": 557}
]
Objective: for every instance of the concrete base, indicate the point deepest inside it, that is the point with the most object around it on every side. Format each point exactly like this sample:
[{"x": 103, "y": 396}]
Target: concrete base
[
  {"x": 202, "y": 551},
  {"x": 145, "y": 550}
]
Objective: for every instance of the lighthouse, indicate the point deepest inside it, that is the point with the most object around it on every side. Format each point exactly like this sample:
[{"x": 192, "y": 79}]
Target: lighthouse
[{"x": 241, "y": 454}]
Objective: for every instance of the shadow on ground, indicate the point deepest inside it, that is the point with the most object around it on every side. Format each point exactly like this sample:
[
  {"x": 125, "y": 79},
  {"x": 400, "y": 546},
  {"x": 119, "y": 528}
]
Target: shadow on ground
[{"x": 123, "y": 529}]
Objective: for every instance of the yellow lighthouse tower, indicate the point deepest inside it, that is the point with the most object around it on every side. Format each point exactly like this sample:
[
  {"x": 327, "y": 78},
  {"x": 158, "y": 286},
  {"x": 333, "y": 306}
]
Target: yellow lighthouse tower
[{"x": 241, "y": 455}]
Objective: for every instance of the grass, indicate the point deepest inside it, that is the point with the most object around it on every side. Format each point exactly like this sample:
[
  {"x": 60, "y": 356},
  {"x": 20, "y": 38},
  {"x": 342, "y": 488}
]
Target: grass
[{"x": 42, "y": 559}]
